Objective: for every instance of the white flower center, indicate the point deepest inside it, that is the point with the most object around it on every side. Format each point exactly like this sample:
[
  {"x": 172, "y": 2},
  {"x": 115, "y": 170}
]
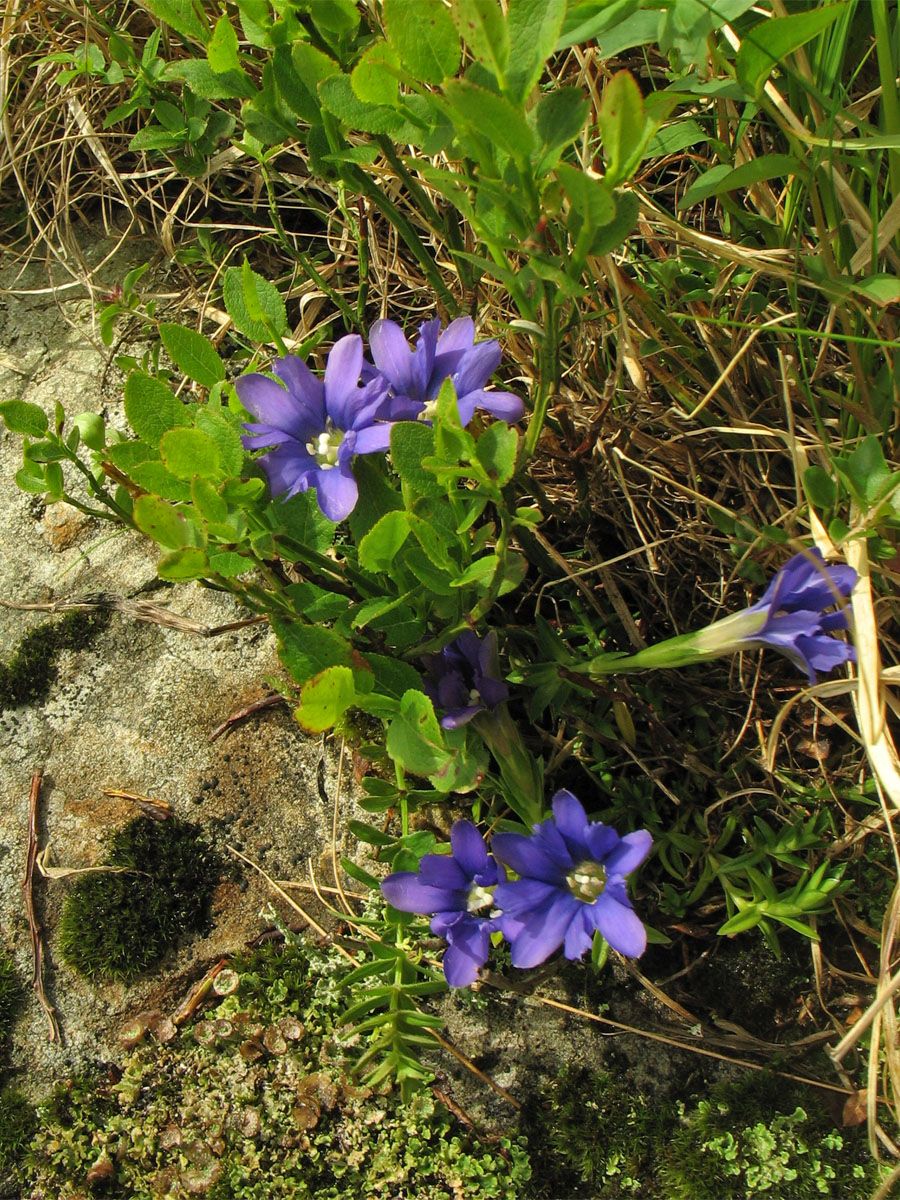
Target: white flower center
[
  {"x": 479, "y": 898},
  {"x": 324, "y": 448},
  {"x": 429, "y": 412},
  {"x": 587, "y": 881}
]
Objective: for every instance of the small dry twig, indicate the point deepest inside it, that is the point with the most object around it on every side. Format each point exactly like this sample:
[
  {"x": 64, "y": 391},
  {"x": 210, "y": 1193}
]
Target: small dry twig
[{"x": 37, "y": 941}]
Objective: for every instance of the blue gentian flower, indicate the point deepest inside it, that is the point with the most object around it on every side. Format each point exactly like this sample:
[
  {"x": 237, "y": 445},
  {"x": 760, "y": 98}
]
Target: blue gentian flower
[
  {"x": 464, "y": 678},
  {"x": 571, "y": 883},
  {"x": 458, "y": 889},
  {"x": 795, "y": 620},
  {"x": 791, "y": 617},
  {"x": 317, "y": 426},
  {"x": 415, "y": 376}
]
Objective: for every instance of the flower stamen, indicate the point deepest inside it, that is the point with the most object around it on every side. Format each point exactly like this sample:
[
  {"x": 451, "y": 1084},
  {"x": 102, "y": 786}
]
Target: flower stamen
[
  {"x": 325, "y": 447},
  {"x": 587, "y": 881}
]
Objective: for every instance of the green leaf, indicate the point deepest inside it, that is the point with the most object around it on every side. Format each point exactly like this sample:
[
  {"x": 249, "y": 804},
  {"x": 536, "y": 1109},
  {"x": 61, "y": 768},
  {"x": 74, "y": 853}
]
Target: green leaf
[
  {"x": 482, "y": 26},
  {"x": 490, "y": 116},
  {"x": 162, "y": 522},
  {"x": 128, "y": 455},
  {"x": 222, "y": 48},
  {"x": 424, "y": 37},
  {"x": 324, "y": 698},
  {"x": 480, "y": 571},
  {"x": 188, "y": 563},
  {"x": 393, "y": 676},
  {"x": 374, "y": 78},
  {"x": 20, "y": 416},
  {"x": 534, "y": 27},
  {"x": 414, "y": 738},
  {"x": 428, "y": 535},
  {"x": 301, "y": 518},
  {"x": 725, "y": 178},
  {"x": 867, "y": 470},
  {"x": 771, "y": 41},
  {"x": 298, "y": 71},
  {"x": 622, "y": 125},
  {"x": 189, "y": 452},
  {"x": 150, "y": 407},
  {"x": 411, "y": 441},
  {"x": 559, "y": 118},
  {"x": 268, "y": 312},
  {"x": 882, "y": 288},
  {"x": 45, "y": 452},
  {"x": 337, "y": 94},
  {"x": 193, "y": 354},
  {"x": 305, "y": 650},
  {"x": 154, "y": 477},
  {"x": 496, "y": 450},
  {"x": 182, "y": 16},
  {"x": 592, "y": 206},
  {"x": 223, "y": 432},
  {"x": 379, "y": 547},
  {"x": 154, "y": 137},
  {"x": 820, "y": 488},
  {"x": 207, "y": 84},
  {"x": 229, "y": 563},
  {"x": 207, "y": 501},
  {"x": 32, "y": 478}
]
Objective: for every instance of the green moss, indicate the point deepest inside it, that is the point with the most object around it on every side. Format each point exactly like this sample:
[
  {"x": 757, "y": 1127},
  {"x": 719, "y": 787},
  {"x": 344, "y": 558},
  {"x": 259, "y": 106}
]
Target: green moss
[
  {"x": 12, "y": 993},
  {"x": 17, "y": 1125},
  {"x": 32, "y": 670},
  {"x": 115, "y": 925},
  {"x": 253, "y": 1101},
  {"x": 761, "y": 1137}
]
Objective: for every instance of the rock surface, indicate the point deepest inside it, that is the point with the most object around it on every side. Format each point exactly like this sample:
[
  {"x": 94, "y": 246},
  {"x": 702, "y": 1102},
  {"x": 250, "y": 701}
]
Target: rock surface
[{"x": 133, "y": 710}]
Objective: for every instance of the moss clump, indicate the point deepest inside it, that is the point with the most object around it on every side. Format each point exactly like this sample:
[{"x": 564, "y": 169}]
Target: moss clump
[
  {"x": 253, "y": 1102},
  {"x": 17, "y": 1125},
  {"x": 762, "y": 1137},
  {"x": 32, "y": 670},
  {"x": 12, "y": 993},
  {"x": 115, "y": 925}
]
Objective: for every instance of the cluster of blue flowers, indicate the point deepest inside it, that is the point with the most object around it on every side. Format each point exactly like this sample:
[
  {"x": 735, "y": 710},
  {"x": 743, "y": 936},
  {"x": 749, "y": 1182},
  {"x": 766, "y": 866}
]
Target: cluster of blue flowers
[
  {"x": 571, "y": 884},
  {"x": 315, "y": 427}
]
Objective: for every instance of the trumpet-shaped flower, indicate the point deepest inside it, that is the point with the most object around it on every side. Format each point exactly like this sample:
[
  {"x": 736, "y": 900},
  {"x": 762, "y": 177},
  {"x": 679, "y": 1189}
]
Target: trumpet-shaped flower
[
  {"x": 571, "y": 883},
  {"x": 415, "y": 375},
  {"x": 317, "y": 426},
  {"x": 464, "y": 678},
  {"x": 791, "y": 617},
  {"x": 458, "y": 890}
]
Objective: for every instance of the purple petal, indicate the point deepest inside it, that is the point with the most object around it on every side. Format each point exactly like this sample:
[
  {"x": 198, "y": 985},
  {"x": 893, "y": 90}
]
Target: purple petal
[
  {"x": 303, "y": 385},
  {"x": 342, "y": 371},
  {"x": 476, "y": 367},
  {"x": 822, "y": 653},
  {"x": 630, "y": 853},
  {"x": 457, "y": 717},
  {"x": 406, "y": 892},
  {"x": 272, "y": 405},
  {"x": 580, "y": 934},
  {"x": 570, "y": 817},
  {"x": 620, "y": 925},
  {"x": 461, "y": 965},
  {"x": 522, "y": 897},
  {"x": 336, "y": 492},
  {"x": 469, "y": 849},
  {"x": 456, "y": 340},
  {"x": 543, "y": 934},
  {"x": 600, "y": 841},
  {"x": 289, "y": 469},
  {"x": 525, "y": 857},
  {"x": 373, "y": 439},
  {"x": 259, "y": 436},
  {"x": 443, "y": 871},
  {"x": 505, "y": 406},
  {"x": 393, "y": 357}
]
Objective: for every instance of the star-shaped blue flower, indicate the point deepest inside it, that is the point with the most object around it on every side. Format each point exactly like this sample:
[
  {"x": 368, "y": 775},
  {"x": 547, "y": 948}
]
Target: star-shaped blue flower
[
  {"x": 571, "y": 883},
  {"x": 415, "y": 375},
  {"x": 458, "y": 889},
  {"x": 464, "y": 678},
  {"x": 317, "y": 426}
]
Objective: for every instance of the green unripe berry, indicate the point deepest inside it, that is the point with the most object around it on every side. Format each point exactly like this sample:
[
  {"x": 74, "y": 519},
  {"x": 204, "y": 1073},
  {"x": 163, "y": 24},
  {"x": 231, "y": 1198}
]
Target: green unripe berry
[{"x": 92, "y": 428}]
